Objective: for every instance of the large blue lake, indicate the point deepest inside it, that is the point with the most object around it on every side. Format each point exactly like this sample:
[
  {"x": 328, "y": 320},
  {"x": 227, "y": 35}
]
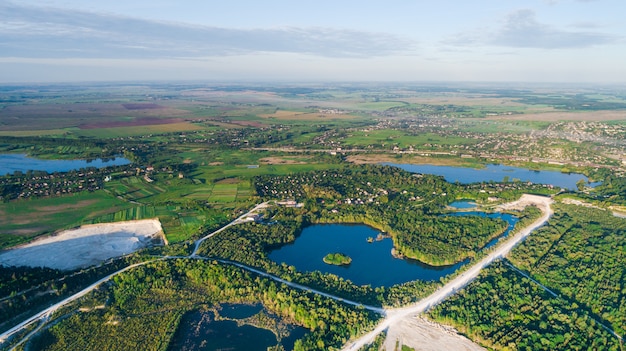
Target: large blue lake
[
  {"x": 496, "y": 173},
  {"x": 10, "y": 163},
  {"x": 372, "y": 263}
]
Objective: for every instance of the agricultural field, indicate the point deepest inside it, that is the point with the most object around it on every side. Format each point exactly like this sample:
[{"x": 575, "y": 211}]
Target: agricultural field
[
  {"x": 22, "y": 220},
  {"x": 117, "y": 132},
  {"x": 402, "y": 139},
  {"x": 307, "y": 116},
  {"x": 199, "y": 152}
]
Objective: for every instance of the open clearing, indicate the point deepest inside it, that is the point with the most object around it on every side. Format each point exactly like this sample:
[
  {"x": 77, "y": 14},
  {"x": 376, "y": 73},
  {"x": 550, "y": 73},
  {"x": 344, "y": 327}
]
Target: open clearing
[
  {"x": 424, "y": 335},
  {"x": 21, "y": 220},
  {"x": 589, "y": 116},
  {"x": 116, "y": 132},
  {"x": 275, "y": 160},
  {"x": 62, "y": 115},
  {"x": 85, "y": 246},
  {"x": 306, "y": 116},
  {"x": 360, "y": 159}
]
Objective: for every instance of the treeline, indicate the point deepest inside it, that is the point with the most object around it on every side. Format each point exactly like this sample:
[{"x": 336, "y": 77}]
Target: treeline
[
  {"x": 444, "y": 239},
  {"x": 503, "y": 310},
  {"x": 34, "y": 184},
  {"x": 145, "y": 305},
  {"x": 249, "y": 243},
  {"x": 407, "y": 206},
  {"x": 581, "y": 254},
  {"x": 29, "y": 290},
  {"x": 15, "y": 279}
]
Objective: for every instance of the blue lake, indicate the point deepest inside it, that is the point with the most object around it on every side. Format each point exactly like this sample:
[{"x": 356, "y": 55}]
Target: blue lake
[
  {"x": 463, "y": 204},
  {"x": 10, "y": 163},
  {"x": 372, "y": 263},
  {"x": 497, "y": 173}
]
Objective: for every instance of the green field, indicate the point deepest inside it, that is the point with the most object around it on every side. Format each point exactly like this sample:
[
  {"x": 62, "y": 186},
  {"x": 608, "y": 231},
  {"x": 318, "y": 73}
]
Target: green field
[
  {"x": 22, "y": 220},
  {"x": 223, "y": 193},
  {"x": 402, "y": 139},
  {"x": 105, "y": 133}
]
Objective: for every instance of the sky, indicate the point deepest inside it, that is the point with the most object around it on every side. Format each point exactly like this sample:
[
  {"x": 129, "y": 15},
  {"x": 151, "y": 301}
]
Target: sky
[{"x": 559, "y": 41}]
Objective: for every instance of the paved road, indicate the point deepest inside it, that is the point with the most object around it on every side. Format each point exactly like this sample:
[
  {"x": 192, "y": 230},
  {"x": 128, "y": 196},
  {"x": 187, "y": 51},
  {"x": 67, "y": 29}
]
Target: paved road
[{"x": 396, "y": 315}]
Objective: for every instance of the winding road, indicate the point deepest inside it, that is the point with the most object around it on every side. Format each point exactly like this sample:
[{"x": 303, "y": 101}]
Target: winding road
[
  {"x": 392, "y": 316},
  {"x": 46, "y": 313}
]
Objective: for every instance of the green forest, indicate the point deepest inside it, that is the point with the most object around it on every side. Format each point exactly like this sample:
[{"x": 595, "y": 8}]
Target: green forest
[
  {"x": 579, "y": 257},
  {"x": 409, "y": 207},
  {"x": 316, "y": 155},
  {"x": 140, "y": 309}
]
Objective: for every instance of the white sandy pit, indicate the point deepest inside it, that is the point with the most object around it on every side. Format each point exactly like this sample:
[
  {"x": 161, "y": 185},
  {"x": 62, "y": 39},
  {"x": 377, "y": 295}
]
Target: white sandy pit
[{"x": 85, "y": 246}]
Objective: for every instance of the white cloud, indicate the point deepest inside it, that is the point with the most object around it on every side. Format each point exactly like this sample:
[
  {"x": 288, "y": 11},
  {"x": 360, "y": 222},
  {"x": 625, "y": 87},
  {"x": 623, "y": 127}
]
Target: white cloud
[
  {"x": 522, "y": 30},
  {"x": 48, "y": 32}
]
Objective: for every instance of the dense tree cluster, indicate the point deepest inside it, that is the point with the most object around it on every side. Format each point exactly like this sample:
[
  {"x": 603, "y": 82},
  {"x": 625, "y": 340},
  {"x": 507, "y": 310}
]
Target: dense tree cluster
[
  {"x": 408, "y": 206},
  {"x": 613, "y": 188},
  {"x": 33, "y": 184},
  {"x": 581, "y": 254},
  {"x": 32, "y": 289},
  {"x": 445, "y": 239},
  {"x": 145, "y": 305},
  {"x": 506, "y": 311}
]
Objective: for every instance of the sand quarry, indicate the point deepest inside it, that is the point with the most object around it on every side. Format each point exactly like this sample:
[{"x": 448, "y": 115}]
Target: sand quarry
[
  {"x": 85, "y": 246},
  {"x": 425, "y": 335}
]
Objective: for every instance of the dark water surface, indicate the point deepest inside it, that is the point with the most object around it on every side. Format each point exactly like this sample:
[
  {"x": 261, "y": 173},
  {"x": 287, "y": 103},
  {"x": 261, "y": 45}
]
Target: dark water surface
[
  {"x": 240, "y": 311},
  {"x": 10, "y": 163},
  {"x": 199, "y": 331},
  {"x": 497, "y": 173},
  {"x": 372, "y": 263}
]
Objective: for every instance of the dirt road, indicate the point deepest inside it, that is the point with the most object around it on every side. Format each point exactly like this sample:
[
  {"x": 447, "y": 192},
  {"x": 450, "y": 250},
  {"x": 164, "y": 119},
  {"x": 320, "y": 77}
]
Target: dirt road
[
  {"x": 393, "y": 316},
  {"x": 240, "y": 219},
  {"x": 400, "y": 314},
  {"x": 50, "y": 310}
]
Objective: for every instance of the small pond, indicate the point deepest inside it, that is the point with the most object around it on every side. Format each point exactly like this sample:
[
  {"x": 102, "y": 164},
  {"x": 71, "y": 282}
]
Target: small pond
[
  {"x": 497, "y": 173},
  {"x": 200, "y": 331},
  {"x": 372, "y": 263},
  {"x": 10, "y": 163},
  {"x": 463, "y": 204},
  {"x": 240, "y": 311}
]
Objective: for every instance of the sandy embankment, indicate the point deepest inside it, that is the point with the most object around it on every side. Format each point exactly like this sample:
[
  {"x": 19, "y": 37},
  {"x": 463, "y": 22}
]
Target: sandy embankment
[
  {"x": 425, "y": 335},
  {"x": 85, "y": 246}
]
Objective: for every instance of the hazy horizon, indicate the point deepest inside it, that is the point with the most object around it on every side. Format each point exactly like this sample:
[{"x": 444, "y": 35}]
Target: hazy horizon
[{"x": 551, "y": 41}]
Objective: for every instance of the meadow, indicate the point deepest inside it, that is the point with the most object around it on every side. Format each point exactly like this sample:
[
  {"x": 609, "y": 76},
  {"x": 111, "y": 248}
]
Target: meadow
[
  {"x": 22, "y": 220},
  {"x": 196, "y": 153},
  {"x": 208, "y": 130}
]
